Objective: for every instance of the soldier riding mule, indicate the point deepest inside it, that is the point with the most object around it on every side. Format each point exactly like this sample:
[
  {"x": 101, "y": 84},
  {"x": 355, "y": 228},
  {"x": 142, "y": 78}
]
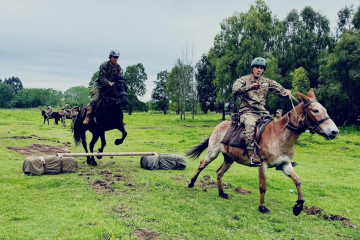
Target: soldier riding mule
[{"x": 276, "y": 146}]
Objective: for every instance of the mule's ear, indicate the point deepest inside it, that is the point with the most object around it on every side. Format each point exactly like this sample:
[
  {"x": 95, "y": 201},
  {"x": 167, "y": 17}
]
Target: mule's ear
[
  {"x": 311, "y": 94},
  {"x": 302, "y": 97}
]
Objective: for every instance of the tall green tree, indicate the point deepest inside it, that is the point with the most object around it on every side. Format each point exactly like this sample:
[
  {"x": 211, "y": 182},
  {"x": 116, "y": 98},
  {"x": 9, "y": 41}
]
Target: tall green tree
[
  {"x": 205, "y": 75},
  {"x": 300, "y": 81},
  {"x": 340, "y": 78},
  {"x": 6, "y": 95},
  {"x": 77, "y": 96},
  {"x": 243, "y": 37},
  {"x": 135, "y": 78},
  {"x": 15, "y": 83},
  {"x": 35, "y": 97},
  {"x": 305, "y": 38},
  {"x": 160, "y": 98}
]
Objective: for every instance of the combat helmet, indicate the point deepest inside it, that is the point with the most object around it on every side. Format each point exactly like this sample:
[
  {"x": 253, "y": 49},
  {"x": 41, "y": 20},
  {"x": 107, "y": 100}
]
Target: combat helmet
[
  {"x": 259, "y": 61},
  {"x": 114, "y": 53}
]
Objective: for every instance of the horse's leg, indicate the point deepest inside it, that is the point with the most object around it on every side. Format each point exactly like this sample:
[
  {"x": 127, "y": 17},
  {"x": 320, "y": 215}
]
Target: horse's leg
[
  {"x": 211, "y": 155},
  {"x": 220, "y": 173},
  {"x": 289, "y": 171},
  {"x": 84, "y": 144},
  {"x": 124, "y": 134},
  {"x": 262, "y": 188},
  {"x": 103, "y": 144},
  {"x": 91, "y": 146}
]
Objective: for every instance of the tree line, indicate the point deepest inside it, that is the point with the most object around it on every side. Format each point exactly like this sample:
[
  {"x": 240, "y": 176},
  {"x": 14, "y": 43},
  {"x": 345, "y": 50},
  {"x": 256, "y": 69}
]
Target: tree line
[
  {"x": 301, "y": 53},
  {"x": 12, "y": 93}
]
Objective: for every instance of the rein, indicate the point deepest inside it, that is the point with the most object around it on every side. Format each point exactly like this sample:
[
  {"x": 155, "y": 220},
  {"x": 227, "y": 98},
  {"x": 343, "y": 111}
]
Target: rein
[{"x": 313, "y": 127}]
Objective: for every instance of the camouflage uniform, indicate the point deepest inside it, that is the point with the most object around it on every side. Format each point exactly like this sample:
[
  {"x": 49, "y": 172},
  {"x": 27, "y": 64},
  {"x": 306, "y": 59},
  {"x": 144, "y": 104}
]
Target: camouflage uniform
[
  {"x": 48, "y": 111},
  {"x": 67, "y": 109},
  {"x": 252, "y": 105},
  {"x": 108, "y": 73}
]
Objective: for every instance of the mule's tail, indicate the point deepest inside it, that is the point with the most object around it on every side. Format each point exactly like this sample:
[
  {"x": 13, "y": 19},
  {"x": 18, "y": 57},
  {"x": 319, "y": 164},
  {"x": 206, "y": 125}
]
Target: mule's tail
[
  {"x": 196, "y": 151},
  {"x": 79, "y": 128}
]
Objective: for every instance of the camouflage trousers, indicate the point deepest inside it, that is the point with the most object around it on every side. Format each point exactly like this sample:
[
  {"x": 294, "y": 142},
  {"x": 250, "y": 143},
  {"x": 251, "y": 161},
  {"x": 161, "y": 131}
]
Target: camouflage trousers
[
  {"x": 249, "y": 120},
  {"x": 95, "y": 94}
]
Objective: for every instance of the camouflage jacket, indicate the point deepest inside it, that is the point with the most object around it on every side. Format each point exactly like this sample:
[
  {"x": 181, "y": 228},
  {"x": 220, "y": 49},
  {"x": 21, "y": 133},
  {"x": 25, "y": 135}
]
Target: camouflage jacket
[
  {"x": 253, "y": 101},
  {"x": 67, "y": 108},
  {"x": 108, "y": 72}
]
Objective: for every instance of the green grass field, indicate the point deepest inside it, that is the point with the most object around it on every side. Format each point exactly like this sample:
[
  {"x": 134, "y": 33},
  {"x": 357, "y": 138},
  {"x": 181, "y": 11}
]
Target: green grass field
[{"x": 133, "y": 203}]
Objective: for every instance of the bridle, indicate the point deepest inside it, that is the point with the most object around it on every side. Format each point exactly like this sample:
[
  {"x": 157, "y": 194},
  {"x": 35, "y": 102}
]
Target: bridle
[{"x": 307, "y": 122}]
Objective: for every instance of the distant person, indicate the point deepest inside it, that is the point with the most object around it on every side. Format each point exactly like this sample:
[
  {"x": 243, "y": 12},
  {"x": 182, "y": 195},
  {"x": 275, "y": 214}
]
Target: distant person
[
  {"x": 278, "y": 113},
  {"x": 109, "y": 71},
  {"x": 67, "y": 109},
  {"x": 49, "y": 111},
  {"x": 253, "y": 90}
]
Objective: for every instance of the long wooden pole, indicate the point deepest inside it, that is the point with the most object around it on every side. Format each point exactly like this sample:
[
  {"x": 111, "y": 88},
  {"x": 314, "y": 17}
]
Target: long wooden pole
[{"x": 61, "y": 155}]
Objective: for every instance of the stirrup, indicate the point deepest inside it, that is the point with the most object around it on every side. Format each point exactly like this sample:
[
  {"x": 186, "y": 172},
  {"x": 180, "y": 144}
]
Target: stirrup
[{"x": 255, "y": 163}]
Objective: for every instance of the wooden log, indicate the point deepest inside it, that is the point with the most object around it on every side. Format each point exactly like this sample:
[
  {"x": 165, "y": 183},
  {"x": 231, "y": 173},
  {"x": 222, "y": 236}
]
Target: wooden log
[{"x": 61, "y": 155}]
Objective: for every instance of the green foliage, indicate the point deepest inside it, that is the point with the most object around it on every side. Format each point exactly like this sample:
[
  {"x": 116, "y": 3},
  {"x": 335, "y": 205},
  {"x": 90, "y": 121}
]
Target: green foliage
[
  {"x": 93, "y": 79},
  {"x": 356, "y": 19},
  {"x": 205, "y": 75},
  {"x": 300, "y": 81},
  {"x": 135, "y": 78},
  {"x": 77, "y": 96},
  {"x": 6, "y": 95},
  {"x": 15, "y": 84},
  {"x": 35, "y": 97},
  {"x": 160, "y": 98}
]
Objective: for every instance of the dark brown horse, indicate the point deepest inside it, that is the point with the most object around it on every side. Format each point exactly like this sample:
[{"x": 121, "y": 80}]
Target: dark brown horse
[
  {"x": 53, "y": 115},
  {"x": 276, "y": 146},
  {"x": 108, "y": 116}
]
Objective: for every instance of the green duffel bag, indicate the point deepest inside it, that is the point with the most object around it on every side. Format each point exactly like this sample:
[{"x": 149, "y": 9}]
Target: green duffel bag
[
  {"x": 163, "y": 162},
  {"x": 51, "y": 164}
]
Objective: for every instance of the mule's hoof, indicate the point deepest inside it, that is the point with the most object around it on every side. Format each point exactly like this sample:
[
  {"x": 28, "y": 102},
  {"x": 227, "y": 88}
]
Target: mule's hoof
[
  {"x": 191, "y": 185},
  {"x": 99, "y": 157},
  {"x": 118, "y": 142},
  {"x": 264, "y": 210},
  {"x": 298, "y": 207},
  {"x": 224, "y": 195}
]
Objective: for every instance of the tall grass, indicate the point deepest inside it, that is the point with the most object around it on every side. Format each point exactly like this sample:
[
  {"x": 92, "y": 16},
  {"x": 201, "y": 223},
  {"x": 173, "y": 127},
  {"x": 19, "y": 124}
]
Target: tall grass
[{"x": 67, "y": 206}]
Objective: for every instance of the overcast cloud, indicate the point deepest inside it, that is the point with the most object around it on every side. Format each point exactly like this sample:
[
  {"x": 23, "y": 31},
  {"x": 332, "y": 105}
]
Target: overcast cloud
[{"x": 61, "y": 44}]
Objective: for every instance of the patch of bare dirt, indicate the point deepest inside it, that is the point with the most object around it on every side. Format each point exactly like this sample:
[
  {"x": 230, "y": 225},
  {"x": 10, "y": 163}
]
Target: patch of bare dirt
[
  {"x": 38, "y": 149},
  {"x": 242, "y": 191},
  {"x": 101, "y": 187},
  {"x": 180, "y": 178},
  {"x": 321, "y": 213},
  {"x": 146, "y": 234},
  {"x": 207, "y": 183}
]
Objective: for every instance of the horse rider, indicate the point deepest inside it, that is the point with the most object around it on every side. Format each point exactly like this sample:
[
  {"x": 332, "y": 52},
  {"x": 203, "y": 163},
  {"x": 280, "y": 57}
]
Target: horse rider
[
  {"x": 67, "y": 109},
  {"x": 278, "y": 113},
  {"x": 253, "y": 90},
  {"x": 109, "y": 71},
  {"x": 48, "y": 111}
]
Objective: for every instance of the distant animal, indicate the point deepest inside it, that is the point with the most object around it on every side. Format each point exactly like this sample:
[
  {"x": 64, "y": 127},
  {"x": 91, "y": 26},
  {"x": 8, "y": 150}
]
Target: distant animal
[
  {"x": 53, "y": 115},
  {"x": 276, "y": 146},
  {"x": 108, "y": 116}
]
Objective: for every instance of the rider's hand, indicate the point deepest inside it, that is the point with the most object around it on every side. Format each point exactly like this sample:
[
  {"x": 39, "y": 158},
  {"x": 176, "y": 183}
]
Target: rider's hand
[
  {"x": 287, "y": 93},
  {"x": 255, "y": 86},
  {"x": 111, "y": 83}
]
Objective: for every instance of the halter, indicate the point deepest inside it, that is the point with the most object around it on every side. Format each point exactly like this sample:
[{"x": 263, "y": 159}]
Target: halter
[{"x": 311, "y": 125}]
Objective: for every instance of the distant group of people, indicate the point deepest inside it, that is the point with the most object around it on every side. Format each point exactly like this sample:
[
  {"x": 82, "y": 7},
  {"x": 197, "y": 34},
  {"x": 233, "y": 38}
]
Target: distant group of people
[{"x": 66, "y": 111}]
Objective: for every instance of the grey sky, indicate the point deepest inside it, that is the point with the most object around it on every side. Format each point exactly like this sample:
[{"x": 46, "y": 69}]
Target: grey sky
[{"x": 60, "y": 44}]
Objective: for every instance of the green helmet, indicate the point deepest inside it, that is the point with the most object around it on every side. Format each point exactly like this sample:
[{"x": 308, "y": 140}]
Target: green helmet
[
  {"x": 114, "y": 53},
  {"x": 259, "y": 61}
]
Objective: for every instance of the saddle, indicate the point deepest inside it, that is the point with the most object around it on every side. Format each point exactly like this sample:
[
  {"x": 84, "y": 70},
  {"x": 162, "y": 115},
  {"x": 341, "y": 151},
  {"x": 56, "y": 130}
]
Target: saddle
[{"x": 235, "y": 136}]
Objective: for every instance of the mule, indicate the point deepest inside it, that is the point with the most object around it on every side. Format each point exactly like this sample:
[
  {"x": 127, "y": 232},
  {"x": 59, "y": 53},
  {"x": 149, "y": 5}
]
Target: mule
[
  {"x": 53, "y": 115},
  {"x": 276, "y": 146},
  {"x": 108, "y": 116}
]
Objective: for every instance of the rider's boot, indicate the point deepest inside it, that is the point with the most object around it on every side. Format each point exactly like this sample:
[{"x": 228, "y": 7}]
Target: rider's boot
[
  {"x": 254, "y": 158},
  {"x": 87, "y": 118}
]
